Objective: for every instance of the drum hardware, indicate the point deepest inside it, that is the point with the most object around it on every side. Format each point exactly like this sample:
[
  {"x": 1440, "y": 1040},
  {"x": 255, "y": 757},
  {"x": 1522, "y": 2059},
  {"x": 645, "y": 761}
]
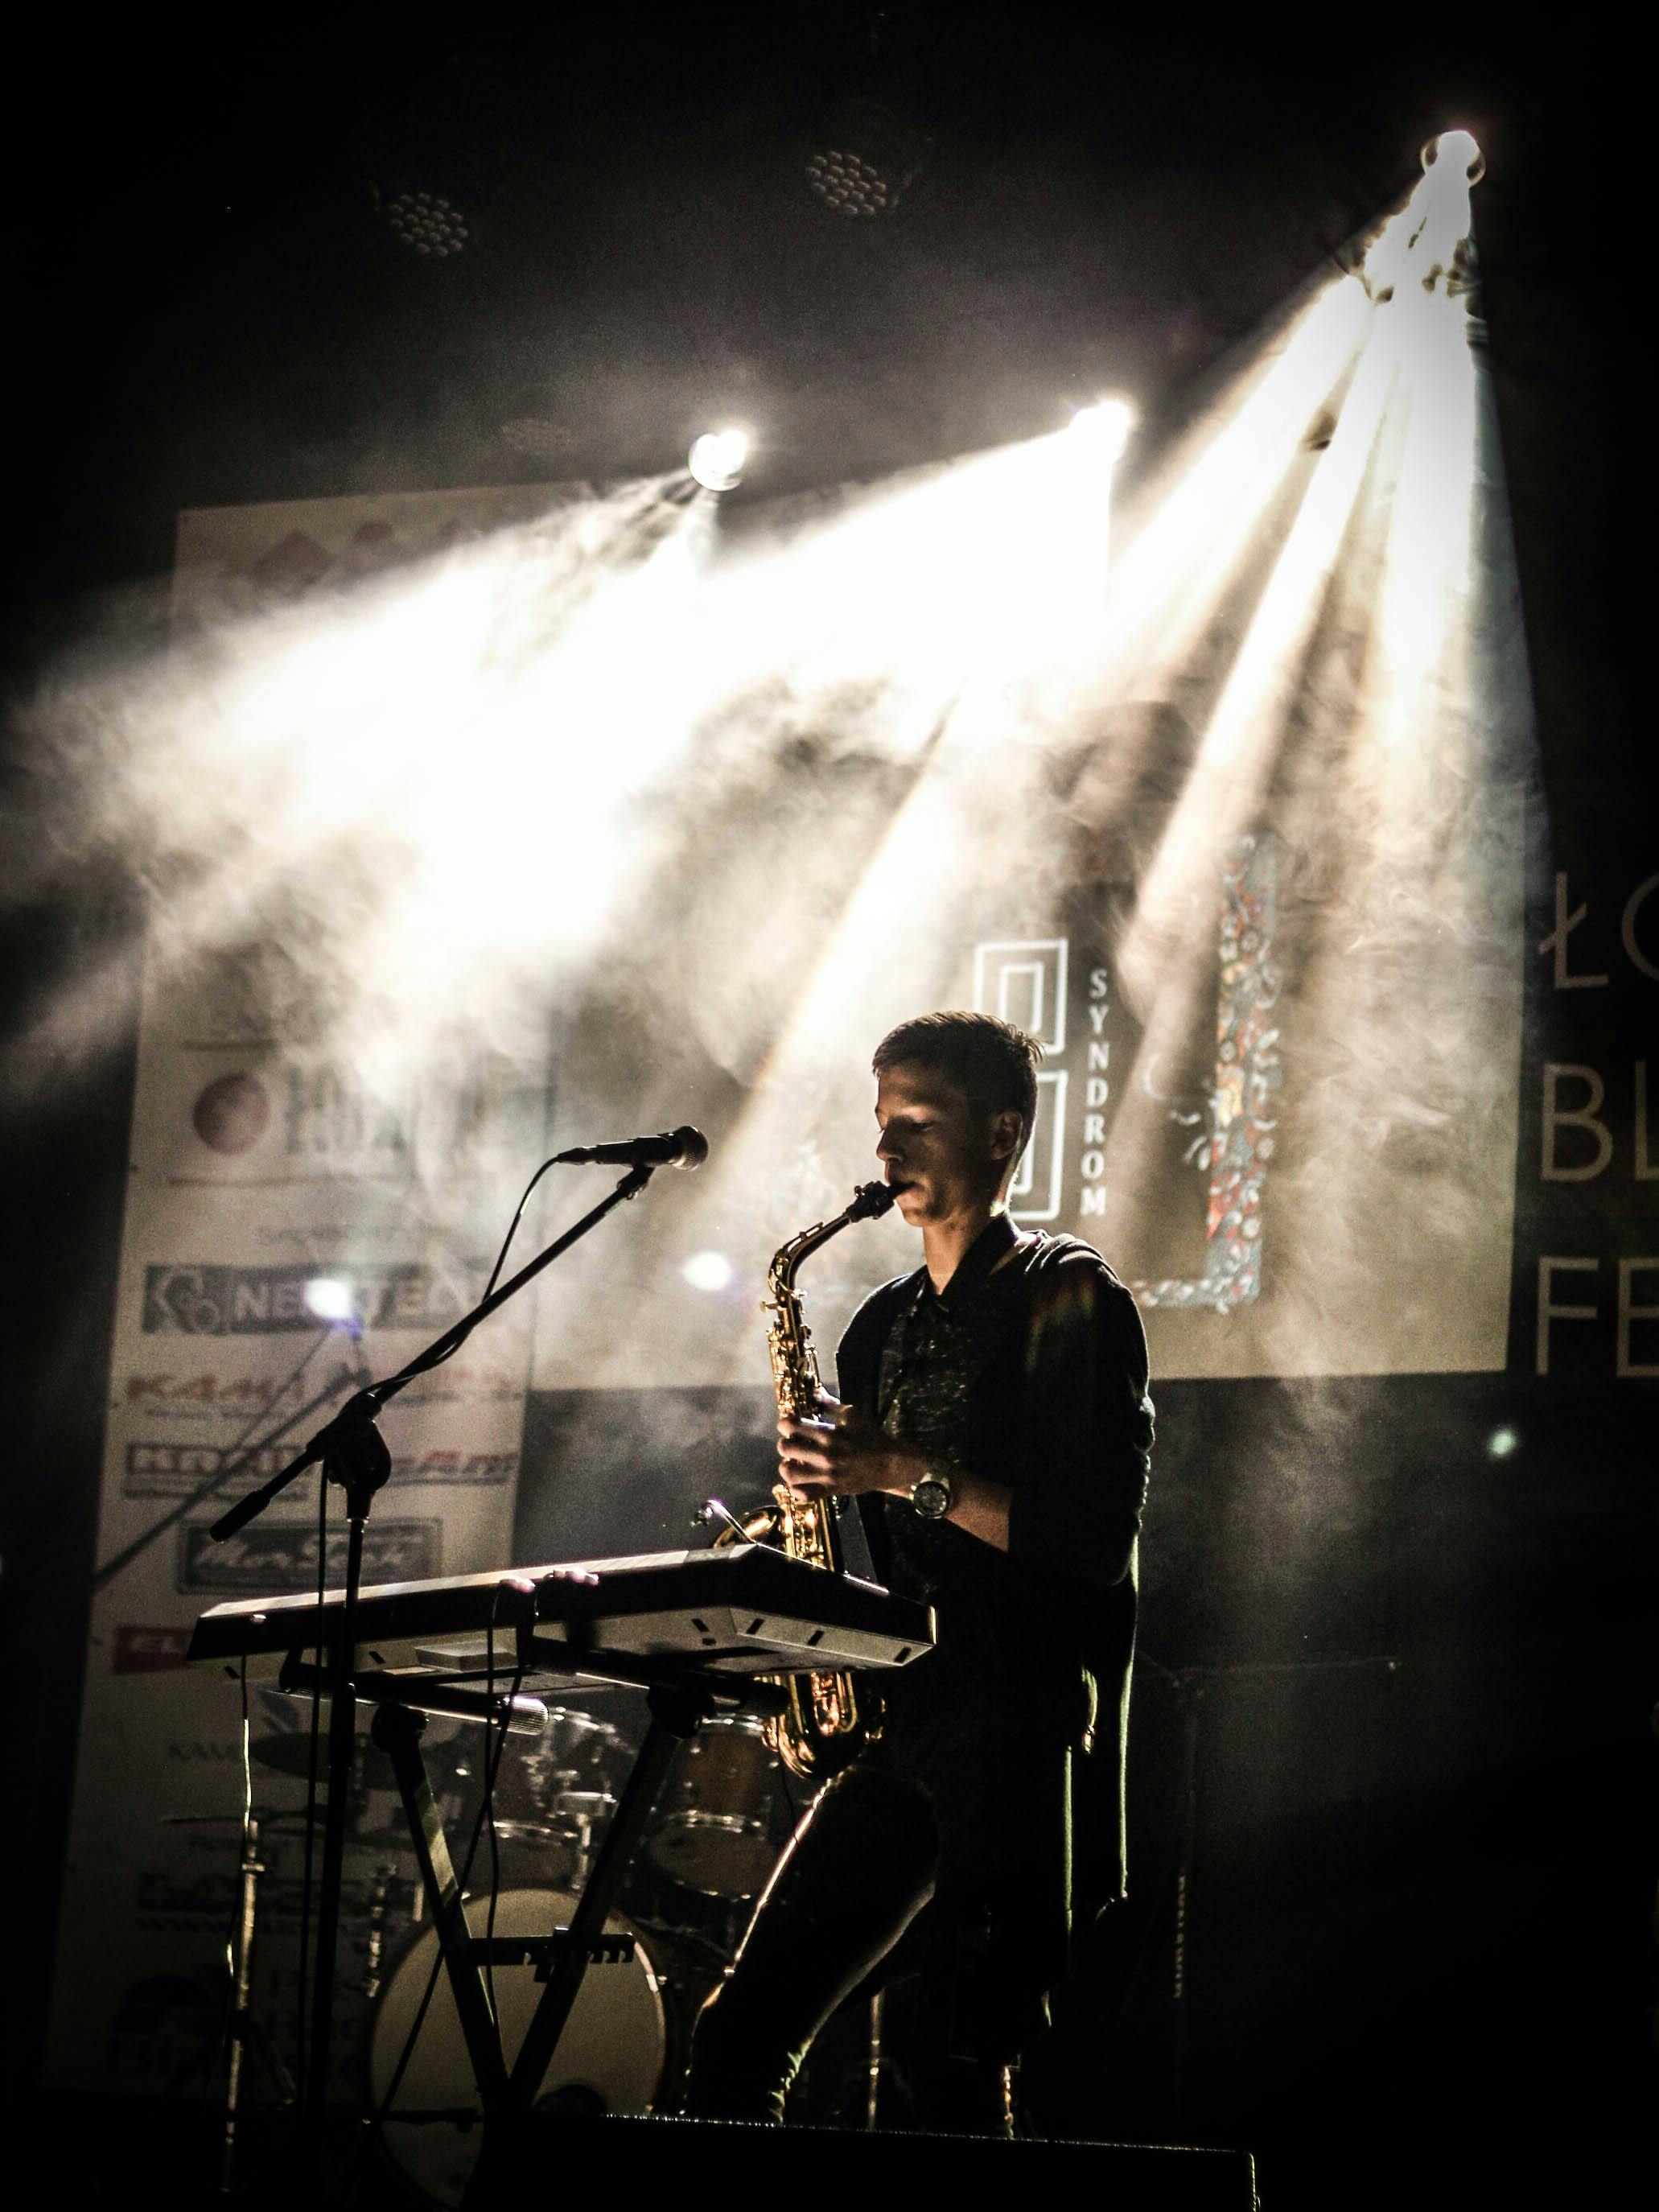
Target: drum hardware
[
  {"x": 554, "y": 1793},
  {"x": 244, "y": 2030},
  {"x": 378, "y": 1897}
]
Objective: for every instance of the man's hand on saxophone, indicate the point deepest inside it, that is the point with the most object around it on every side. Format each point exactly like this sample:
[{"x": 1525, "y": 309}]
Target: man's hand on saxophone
[{"x": 844, "y": 1455}]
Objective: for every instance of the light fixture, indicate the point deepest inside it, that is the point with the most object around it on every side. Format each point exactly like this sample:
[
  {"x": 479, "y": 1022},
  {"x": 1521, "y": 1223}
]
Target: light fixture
[
  {"x": 716, "y": 458},
  {"x": 708, "y": 1271},
  {"x": 1457, "y": 150},
  {"x": 848, "y": 183},
  {"x": 329, "y": 1298},
  {"x": 1429, "y": 240},
  {"x": 1104, "y": 427},
  {"x": 425, "y": 222},
  {"x": 867, "y": 157}
]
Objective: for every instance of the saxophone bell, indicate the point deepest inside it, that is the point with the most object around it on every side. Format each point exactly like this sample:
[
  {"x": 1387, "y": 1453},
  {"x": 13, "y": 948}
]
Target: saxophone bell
[{"x": 760, "y": 1528}]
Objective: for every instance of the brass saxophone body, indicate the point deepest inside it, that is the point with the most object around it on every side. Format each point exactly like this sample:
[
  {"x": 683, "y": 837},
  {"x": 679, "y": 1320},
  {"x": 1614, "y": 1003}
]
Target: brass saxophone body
[{"x": 830, "y": 1719}]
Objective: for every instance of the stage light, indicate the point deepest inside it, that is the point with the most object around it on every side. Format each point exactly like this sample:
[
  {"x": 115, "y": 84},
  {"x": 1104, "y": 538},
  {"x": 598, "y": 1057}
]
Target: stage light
[
  {"x": 867, "y": 157},
  {"x": 708, "y": 1271},
  {"x": 329, "y": 1298},
  {"x": 1104, "y": 426},
  {"x": 1502, "y": 1443},
  {"x": 716, "y": 458},
  {"x": 1429, "y": 239},
  {"x": 1455, "y": 155},
  {"x": 848, "y": 183},
  {"x": 426, "y": 223}
]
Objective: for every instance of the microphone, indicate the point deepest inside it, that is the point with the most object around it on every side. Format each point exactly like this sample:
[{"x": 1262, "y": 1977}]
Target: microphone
[{"x": 675, "y": 1148}]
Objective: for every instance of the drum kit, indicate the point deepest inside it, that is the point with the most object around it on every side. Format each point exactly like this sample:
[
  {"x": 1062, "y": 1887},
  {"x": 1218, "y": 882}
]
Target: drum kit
[{"x": 718, "y": 1830}]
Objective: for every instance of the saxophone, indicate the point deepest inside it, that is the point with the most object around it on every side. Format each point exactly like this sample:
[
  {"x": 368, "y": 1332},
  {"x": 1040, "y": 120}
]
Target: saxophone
[{"x": 829, "y": 1720}]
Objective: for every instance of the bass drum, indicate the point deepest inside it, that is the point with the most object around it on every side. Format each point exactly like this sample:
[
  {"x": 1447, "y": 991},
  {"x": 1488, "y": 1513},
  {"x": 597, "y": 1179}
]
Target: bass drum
[{"x": 610, "y": 2059}]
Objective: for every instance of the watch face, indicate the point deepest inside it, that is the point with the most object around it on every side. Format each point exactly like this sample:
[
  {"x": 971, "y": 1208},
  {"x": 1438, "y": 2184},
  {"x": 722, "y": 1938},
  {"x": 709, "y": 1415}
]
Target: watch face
[{"x": 932, "y": 1496}]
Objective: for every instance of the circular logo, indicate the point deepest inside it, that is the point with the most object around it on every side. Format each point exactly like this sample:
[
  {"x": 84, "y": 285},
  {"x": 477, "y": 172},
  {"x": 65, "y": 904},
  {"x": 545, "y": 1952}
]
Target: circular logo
[{"x": 232, "y": 1114}]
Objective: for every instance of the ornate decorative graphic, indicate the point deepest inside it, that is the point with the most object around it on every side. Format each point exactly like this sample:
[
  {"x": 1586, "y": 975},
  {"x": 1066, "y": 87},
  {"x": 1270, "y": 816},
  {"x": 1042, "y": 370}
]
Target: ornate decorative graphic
[{"x": 1239, "y": 1142}]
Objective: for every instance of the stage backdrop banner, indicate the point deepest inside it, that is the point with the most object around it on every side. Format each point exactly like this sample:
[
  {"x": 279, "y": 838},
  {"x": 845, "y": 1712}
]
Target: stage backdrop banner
[{"x": 297, "y": 1222}]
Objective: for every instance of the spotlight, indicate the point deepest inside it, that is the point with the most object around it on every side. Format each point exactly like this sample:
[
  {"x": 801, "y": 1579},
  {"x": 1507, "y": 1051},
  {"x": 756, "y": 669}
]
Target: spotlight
[
  {"x": 1429, "y": 239},
  {"x": 426, "y": 223},
  {"x": 329, "y": 1298},
  {"x": 849, "y": 184},
  {"x": 1458, "y": 150},
  {"x": 708, "y": 1271},
  {"x": 1104, "y": 426},
  {"x": 716, "y": 458},
  {"x": 1502, "y": 1443},
  {"x": 867, "y": 158}
]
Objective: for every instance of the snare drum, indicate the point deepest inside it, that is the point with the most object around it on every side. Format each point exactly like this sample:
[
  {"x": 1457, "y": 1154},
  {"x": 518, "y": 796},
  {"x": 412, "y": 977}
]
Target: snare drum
[
  {"x": 610, "y": 2058},
  {"x": 717, "y": 1832}
]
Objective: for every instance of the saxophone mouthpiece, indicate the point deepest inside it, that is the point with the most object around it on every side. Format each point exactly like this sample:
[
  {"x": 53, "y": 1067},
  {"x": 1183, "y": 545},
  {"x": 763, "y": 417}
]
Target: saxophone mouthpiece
[{"x": 871, "y": 1201}]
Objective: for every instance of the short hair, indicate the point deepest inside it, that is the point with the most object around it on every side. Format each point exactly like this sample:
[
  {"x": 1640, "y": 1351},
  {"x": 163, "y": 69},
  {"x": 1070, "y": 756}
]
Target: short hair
[{"x": 992, "y": 1063}]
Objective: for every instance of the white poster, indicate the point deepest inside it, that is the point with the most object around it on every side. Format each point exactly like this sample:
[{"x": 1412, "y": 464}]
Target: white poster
[{"x": 302, "y": 1216}]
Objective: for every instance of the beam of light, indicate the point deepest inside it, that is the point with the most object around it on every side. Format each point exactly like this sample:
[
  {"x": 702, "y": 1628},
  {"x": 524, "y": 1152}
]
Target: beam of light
[
  {"x": 428, "y": 785},
  {"x": 717, "y": 458},
  {"x": 585, "y": 761},
  {"x": 1428, "y": 815},
  {"x": 1190, "y": 529},
  {"x": 894, "y": 944},
  {"x": 1368, "y": 694},
  {"x": 939, "y": 578},
  {"x": 1248, "y": 722}
]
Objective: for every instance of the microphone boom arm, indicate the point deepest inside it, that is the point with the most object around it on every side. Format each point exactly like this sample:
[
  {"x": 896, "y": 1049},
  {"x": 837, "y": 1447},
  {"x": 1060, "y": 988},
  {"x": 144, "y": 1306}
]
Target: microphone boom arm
[{"x": 365, "y": 1404}]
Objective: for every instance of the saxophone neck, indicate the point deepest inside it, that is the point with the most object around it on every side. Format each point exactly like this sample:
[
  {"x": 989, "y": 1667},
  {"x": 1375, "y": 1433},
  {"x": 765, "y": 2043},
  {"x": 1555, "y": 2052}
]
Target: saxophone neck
[{"x": 869, "y": 1199}]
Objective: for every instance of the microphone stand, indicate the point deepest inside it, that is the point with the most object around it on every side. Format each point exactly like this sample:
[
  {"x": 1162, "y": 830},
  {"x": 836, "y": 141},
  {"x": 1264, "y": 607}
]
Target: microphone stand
[{"x": 354, "y": 1453}]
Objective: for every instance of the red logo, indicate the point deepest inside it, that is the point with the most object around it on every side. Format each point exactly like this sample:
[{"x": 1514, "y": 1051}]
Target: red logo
[{"x": 149, "y": 1651}]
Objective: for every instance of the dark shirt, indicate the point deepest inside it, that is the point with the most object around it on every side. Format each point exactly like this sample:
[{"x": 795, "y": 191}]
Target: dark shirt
[{"x": 1028, "y": 1369}]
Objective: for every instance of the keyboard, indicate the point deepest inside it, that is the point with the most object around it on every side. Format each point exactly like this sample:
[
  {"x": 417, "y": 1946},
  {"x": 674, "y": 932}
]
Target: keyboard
[{"x": 742, "y": 1610}]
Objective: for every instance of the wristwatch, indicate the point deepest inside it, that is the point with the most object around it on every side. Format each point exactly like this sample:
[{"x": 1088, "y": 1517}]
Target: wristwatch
[{"x": 931, "y": 1494}]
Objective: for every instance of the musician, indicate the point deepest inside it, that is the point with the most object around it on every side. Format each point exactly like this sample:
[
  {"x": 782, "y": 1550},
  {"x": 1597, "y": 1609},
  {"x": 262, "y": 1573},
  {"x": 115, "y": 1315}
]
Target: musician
[{"x": 994, "y": 1427}]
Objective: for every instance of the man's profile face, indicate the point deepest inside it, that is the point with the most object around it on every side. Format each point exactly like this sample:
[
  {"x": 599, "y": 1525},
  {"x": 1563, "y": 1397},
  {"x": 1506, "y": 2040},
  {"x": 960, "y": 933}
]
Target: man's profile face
[{"x": 942, "y": 1157}]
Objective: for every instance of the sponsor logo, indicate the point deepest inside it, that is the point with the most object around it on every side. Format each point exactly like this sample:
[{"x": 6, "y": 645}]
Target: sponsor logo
[
  {"x": 148, "y": 1651},
  {"x": 193, "y": 1396},
  {"x": 221, "y": 1301},
  {"x": 174, "y": 1470},
  {"x": 284, "y": 1557},
  {"x": 178, "y": 1395},
  {"x": 159, "y": 1470},
  {"x": 232, "y": 1113},
  {"x": 312, "y": 1118}
]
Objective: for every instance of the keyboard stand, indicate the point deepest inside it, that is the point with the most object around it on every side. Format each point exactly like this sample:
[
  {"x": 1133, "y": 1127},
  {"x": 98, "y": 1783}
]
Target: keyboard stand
[{"x": 680, "y": 1700}]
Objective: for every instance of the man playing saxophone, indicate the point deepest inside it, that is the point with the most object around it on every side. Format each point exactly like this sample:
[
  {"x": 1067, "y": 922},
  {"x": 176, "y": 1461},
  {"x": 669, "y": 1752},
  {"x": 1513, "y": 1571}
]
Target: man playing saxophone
[{"x": 994, "y": 1427}]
